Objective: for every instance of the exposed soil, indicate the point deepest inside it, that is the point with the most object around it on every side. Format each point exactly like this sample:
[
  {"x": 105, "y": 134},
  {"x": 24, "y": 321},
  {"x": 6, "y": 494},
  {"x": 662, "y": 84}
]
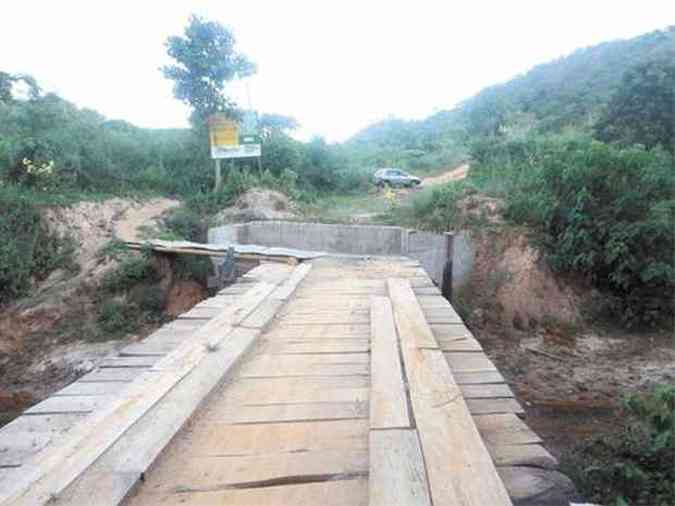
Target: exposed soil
[
  {"x": 258, "y": 204},
  {"x": 50, "y": 338},
  {"x": 456, "y": 174}
]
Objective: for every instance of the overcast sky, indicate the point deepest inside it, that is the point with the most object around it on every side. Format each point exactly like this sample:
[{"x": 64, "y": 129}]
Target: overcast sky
[{"x": 336, "y": 66}]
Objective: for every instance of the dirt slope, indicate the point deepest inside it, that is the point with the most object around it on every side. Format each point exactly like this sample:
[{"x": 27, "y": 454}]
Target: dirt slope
[{"x": 45, "y": 339}]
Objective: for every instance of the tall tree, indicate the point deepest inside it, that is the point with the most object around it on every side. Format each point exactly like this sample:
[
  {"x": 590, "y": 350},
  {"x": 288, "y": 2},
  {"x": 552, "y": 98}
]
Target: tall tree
[{"x": 206, "y": 59}]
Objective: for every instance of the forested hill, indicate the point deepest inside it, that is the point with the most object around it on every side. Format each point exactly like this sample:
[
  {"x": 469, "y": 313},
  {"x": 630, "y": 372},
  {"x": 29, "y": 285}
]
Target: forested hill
[{"x": 572, "y": 90}]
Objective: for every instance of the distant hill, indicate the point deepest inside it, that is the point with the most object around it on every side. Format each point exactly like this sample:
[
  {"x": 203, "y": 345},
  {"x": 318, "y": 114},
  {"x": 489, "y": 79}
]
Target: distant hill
[{"x": 571, "y": 90}]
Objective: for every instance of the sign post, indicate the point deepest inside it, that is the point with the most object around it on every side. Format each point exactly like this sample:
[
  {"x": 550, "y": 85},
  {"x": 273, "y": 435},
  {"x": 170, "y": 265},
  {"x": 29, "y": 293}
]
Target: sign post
[{"x": 228, "y": 140}]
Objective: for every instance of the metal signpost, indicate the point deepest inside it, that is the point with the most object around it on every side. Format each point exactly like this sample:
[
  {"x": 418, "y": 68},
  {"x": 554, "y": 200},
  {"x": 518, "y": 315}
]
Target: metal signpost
[{"x": 230, "y": 140}]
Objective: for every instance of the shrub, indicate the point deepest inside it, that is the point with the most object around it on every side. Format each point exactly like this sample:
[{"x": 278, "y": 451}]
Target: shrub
[
  {"x": 132, "y": 270},
  {"x": 634, "y": 465},
  {"x": 116, "y": 317},
  {"x": 598, "y": 210},
  {"x": 28, "y": 250}
]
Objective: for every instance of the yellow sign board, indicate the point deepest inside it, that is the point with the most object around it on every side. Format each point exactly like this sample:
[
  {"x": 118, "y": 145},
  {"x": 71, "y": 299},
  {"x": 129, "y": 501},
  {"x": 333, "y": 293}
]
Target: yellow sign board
[
  {"x": 227, "y": 141},
  {"x": 223, "y": 132}
]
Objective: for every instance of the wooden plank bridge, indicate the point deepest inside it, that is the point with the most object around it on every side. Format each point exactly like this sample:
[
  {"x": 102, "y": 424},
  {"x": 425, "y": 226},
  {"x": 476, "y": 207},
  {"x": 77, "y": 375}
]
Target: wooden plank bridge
[{"x": 339, "y": 381}]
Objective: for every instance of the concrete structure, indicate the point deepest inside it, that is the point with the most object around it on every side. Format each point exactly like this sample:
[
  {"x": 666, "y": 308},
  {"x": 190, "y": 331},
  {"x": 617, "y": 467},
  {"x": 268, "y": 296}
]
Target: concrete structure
[{"x": 432, "y": 250}]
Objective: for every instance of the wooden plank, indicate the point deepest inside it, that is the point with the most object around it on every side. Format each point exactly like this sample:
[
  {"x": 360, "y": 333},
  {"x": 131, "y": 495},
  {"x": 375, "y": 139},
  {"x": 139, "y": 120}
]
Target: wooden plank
[
  {"x": 488, "y": 391},
  {"x": 388, "y": 401},
  {"x": 200, "y": 313},
  {"x": 346, "y": 331},
  {"x": 78, "y": 388},
  {"x": 428, "y": 290},
  {"x": 397, "y": 475},
  {"x": 124, "y": 375},
  {"x": 275, "y": 413},
  {"x": 217, "y": 438},
  {"x": 458, "y": 345},
  {"x": 532, "y": 455},
  {"x": 450, "y": 330},
  {"x": 67, "y": 404},
  {"x": 493, "y": 406},
  {"x": 138, "y": 362},
  {"x": 289, "y": 286},
  {"x": 263, "y": 314},
  {"x": 353, "y": 492},
  {"x": 410, "y": 320},
  {"x": 441, "y": 315},
  {"x": 340, "y": 364},
  {"x": 249, "y": 471},
  {"x": 317, "y": 346},
  {"x": 505, "y": 429},
  {"x": 469, "y": 362},
  {"x": 476, "y": 378},
  {"x": 459, "y": 467}
]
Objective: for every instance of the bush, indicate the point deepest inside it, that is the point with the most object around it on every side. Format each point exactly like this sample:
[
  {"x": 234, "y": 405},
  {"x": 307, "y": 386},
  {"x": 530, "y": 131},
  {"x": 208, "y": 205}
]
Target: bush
[
  {"x": 635, "y": 465},
  {"x": 28, "y": 250},
  {"x": 597, "y": 210},
  {"x": 132, "y": 270},
  {"x": 116, "y": 318}
]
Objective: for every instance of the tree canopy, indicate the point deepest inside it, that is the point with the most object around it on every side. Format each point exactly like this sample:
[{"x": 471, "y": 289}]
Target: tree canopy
[{"x": 206, "y": 59}]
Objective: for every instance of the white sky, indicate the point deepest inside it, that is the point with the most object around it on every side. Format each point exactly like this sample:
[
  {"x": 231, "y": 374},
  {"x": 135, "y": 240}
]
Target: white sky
[{"x": 336, "y": 66}]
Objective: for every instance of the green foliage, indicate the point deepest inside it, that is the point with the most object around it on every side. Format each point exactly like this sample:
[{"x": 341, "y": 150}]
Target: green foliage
[
  {"x": 206, "y": 59},
  {"x": 116, "y": 318},
  {"x": 132, "y": 270},
  {"x": 598, "y": 210},
  {"x": 634, "y": 465},
  {"x": 28, "y": 251},
  {"x": 642, "y": 111}
]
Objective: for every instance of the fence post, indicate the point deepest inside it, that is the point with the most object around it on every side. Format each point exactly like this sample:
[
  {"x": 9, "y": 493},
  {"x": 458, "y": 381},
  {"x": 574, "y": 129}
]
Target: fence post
[{"x": 446, "y": 288}]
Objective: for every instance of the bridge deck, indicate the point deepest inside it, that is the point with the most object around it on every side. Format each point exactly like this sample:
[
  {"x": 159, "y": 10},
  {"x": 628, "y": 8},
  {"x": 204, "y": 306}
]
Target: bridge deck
[{"x": 361, "y": 386}]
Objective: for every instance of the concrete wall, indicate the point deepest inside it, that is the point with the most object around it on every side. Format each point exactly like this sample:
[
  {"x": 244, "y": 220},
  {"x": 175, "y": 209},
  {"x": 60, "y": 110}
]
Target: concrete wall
[{"x": 430, "y": 249}]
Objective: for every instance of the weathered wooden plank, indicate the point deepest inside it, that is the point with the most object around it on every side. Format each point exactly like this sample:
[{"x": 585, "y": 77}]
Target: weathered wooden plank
[
  {"x": 290, "y": 412},
  {"x": 476, "y": 378},
  {"x": 450, "y": 330},
  {"x": 77, "y": 388},
  {"x": 144, "y": 349},
  {"x": 427, "y": 290},
  {"x": 263, "y": 314},
  {"x": 124, "y": 375},
  {"x": 68, "y": 404},
  {"x": 317, "y": 346},
  {"x": 459, "y": 467},
  {"x": 397, "y": 475},
  {"x": 388, "y": 401},
  {"x": 340, "y": 364},
  {"x": 487, "y": 391},
  {"x": 343, "y": 331},
  {"x": 218, "y": 438},
  {"x": 458, "y": 345},
  {"x": 289, "y": 286},
  {"x": 493, "y": 406},
  {"x": 249, "y": 471},
  {"x": 469, "y": 362},
  {"x": 532, "y": 455},
  {"x": 200, "y": 313},
  {"x": 441, "y": 315},
  {"x": 505, "y": 429},
  {"x": 410, "y": 320},
  {"x": 139, "y": 362},
  {"x": 352, "y": 492}
]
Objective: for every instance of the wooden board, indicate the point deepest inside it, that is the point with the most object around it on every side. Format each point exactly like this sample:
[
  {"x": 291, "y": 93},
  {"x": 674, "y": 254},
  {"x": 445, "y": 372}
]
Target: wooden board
[
  {"x": 78, "y": 388},
  {"x": 250, "y": 471},
  {"x": 117, "y": 362},
  {"x": 488, "y": 391},
  {"x": 456, "y": 345},
  {"x": 493, "y": 406},
  {"x": 476, "y": 378},
  {"x": 397, "y": 475},
  {"x": 410, "y": 321},
  {"x": 469, "y": 362},
  {"x": 353, "y": 492},
  {"x": 388, "y": 401},
  {"x": 531, "y": 455},
  {"x": 68, "y": 404},
  {"x": 505, "y": 429},
  {"x": 450, "y": 330},
  {"x": 459, "y": 467}
]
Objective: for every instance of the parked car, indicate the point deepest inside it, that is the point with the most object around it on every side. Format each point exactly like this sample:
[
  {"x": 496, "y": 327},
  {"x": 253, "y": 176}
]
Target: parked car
[{"x": 395, "y": 177}]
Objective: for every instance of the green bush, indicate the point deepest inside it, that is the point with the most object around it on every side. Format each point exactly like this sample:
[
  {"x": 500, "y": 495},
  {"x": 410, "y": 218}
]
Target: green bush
[
  {"x": 635, "y": 465},
  {"x": 133, "y": 269},
  {"x": 28, "y": 250},
  {"x": 117, "y": 317},
  {"x": 598, "y": 210}
]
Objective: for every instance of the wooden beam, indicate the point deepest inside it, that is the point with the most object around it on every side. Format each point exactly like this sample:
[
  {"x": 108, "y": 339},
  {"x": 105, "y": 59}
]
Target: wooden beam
[
  {"x": 459, "y": 468},
  {"x": 388, "y": 400}
]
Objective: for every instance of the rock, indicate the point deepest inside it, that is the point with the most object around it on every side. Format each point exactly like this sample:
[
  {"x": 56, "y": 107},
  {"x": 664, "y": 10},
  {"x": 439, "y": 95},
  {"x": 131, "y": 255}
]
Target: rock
[{"x": 532, "y": 486}]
